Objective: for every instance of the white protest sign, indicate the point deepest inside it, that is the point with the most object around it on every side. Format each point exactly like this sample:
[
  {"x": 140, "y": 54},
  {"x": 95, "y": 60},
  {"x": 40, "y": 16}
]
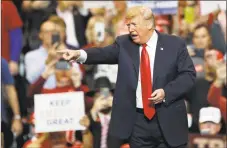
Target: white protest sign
[
  {"x": 59, "y": 112},
  {"x": 207, "y": 7}
]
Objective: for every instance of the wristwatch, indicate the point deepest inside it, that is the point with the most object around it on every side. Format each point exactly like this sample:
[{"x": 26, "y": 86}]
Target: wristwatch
[{"x": 17, "y": 117}]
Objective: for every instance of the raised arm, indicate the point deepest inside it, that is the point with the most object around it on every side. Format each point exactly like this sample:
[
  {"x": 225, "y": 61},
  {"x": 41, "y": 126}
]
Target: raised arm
[{"x": 99, "y": 55}]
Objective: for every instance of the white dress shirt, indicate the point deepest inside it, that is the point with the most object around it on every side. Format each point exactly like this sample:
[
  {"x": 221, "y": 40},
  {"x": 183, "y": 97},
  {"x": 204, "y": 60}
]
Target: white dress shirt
[
  {"x": 35, "y": 66},
  {"x": 151, "y": 49},
  {"x": 67, "y": 16}
]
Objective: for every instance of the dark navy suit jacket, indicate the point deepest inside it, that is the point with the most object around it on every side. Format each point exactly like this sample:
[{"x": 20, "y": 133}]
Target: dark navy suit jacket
[{"x": 173, "y": 71}]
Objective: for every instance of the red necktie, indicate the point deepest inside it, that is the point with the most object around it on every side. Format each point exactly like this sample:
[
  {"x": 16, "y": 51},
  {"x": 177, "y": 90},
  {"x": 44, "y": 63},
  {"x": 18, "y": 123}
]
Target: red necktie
[{"x": 146, "y": 84}]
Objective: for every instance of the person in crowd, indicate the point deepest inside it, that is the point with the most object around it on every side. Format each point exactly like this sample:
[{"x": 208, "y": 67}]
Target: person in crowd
[
  {"x": 98, "y": 37},
  {"x": 12, "y": 46},
  {"x": 100, "y": 114},
  {"x": 68, "y": 80},
  {"x": 35, "y": 60},
  {"x": 209, "y": 121},
  {"x": 9, "y": 97},
  {"x": 162, "y": 24},
  {"x": 118, "y": 24},
  {"x": 11, "y": 35},
  {"x": 216, "y": 96},
  {"x": 34, "y": 13},
  {"x": 52, "y": 33},
  {"x": 201, "y": 41},
  {"x": 76, "y": 18}
]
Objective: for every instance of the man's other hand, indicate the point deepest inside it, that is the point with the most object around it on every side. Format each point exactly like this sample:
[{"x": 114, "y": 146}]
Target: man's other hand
[
  {"x": 17, "y": 127},
  {"x": 69, "y": 55},
  {"x": 157, "y": 96}
]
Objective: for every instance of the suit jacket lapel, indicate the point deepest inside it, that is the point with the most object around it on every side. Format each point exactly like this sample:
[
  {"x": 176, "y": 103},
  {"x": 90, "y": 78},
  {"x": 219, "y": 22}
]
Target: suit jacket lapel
[
  {"x": 157, "y": 61},
  {"x": 134, "y": 53}
]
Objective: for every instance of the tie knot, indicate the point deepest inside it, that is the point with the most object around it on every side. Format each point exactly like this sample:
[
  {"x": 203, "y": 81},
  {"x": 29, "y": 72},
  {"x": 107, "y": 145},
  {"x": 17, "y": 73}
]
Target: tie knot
[{"x": 144, "y": 45}]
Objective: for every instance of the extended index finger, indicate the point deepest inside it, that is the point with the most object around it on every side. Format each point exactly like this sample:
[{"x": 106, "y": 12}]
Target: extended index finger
[{"x": 62, "y": 51}]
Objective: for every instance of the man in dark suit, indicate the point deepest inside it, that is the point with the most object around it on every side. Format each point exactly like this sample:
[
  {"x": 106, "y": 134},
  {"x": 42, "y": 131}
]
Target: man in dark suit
[{"x": 154, "y": 73}]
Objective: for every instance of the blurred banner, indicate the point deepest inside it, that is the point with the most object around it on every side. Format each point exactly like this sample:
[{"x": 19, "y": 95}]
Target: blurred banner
[
  {"x": 207, "y": 7},
  {"x": 59, "y": 112},
  {"x": 98, "y": 4},
  {"x": 158, "y": 7},
  {"x": 202, "y": 141}
]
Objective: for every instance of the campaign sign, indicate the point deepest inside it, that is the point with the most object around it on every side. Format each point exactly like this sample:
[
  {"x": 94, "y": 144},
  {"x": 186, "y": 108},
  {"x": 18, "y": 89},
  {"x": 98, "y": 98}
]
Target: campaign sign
[{"x": 59, "y": 112}]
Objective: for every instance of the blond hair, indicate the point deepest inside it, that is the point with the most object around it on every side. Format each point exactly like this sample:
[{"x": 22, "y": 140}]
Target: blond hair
[
  {"x": 99, "y": 11},
  {"x": 143, "y": 11},
  {"x": 90, "y": 27},
  {"x": 57, "y": 20}
]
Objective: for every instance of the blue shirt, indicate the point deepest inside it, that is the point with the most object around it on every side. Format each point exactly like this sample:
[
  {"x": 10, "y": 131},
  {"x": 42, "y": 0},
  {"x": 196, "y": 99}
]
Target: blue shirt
[
  {"x": 6, "y": 76},
  {"x": 6, "y": 79}
]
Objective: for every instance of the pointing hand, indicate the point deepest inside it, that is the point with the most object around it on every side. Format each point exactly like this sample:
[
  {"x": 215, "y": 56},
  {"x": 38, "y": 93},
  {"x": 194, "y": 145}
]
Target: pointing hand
[{"x": 69, "y": 55}]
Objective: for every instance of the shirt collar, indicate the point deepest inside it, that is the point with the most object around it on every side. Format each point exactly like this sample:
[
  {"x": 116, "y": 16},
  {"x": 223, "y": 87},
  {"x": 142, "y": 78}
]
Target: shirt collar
[
  {"x": 43, "y": 50},
  {"x": 153, "y": 39}
]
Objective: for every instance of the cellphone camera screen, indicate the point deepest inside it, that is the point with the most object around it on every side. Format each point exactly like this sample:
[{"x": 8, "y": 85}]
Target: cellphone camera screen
[
  {"x": 100, "y": 31},
  {"x": 55, "y": 38},
  {"x": 62, "y": 65}
]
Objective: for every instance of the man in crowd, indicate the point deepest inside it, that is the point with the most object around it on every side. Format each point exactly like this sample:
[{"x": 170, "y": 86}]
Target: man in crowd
[
  {"x": 11, "y": 35},
  {"x": 149, "y": 101},
  {"x": 51, "y": 31},
  {"x": 76, "y": 17},
  {"x": 210, "y": 121},
  {"x": 9, "y": 96}
]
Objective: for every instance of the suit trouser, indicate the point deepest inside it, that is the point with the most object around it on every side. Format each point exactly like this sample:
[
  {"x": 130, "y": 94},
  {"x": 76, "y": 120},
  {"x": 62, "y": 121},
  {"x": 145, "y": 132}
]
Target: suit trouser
[{"x": 147, "y": 133}]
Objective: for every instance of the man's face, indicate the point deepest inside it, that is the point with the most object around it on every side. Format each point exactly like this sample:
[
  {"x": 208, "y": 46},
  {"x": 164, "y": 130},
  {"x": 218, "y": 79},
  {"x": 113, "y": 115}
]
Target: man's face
[
  {"x": 63, "y": 77},
  {"x": 137, "y": 29},
  {"x": 47, "y": 29},
  {"x": 201, "y": 38},
  {"x": 209, "y": 128}
]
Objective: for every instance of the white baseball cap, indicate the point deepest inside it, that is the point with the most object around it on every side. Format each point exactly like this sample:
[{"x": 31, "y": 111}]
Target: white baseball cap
[{"x": 209, "y": 114}]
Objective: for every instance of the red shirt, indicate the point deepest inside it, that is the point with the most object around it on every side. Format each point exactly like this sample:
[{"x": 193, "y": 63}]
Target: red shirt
[
  {"x": 216, "y": 99},
  {"x": 10, "y": 20}
]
